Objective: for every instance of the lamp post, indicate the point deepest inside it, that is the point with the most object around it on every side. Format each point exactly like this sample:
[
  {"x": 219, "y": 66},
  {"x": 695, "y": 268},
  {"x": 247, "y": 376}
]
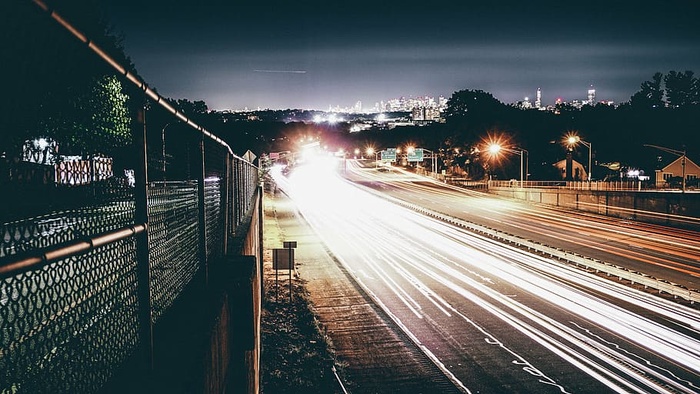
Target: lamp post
[
  {"x": 494, "y": 149},
  {"x": 681, "y": 154},
  {"x": 371, "y": 151},
  {"x": 573, "y": 140},
  {"x": 162, "y": 136}
]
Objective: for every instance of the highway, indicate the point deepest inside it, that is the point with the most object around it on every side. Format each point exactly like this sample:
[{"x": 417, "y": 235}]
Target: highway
[
  {"x": 495, "y": 318},
  {"x": 669, "y": 253}
]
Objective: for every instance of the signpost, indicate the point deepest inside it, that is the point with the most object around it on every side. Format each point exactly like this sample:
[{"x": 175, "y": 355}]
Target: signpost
[
  {"x": 249, "y": 156},
  {"x": 284, "y": 259}
]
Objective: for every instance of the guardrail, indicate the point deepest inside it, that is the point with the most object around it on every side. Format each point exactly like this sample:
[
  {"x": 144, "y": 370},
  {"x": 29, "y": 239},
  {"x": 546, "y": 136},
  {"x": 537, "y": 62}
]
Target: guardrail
[{"x": 661, "y": 285}]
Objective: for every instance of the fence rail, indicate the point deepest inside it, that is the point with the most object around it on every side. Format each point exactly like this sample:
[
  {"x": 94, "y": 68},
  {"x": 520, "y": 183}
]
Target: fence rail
[
  {"x": 584, "y": 185},
  {"x": 94, "y": 252},
  {"x": 577, "y": 185}
]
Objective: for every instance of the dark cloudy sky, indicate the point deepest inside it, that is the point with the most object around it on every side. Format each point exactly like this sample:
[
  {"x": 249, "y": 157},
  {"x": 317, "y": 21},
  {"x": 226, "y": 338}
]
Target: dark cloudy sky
[{"x": 300, "y": 54}]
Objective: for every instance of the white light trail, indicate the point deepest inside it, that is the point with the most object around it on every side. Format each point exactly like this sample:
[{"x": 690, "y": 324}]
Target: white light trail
[{"x": 370, "y": 234}]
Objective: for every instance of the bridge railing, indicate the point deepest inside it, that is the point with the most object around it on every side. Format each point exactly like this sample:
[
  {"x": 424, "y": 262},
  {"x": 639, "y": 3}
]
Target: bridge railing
[
  {"x": 575, "y": 185},
  {"x": 97, "y": 247}
]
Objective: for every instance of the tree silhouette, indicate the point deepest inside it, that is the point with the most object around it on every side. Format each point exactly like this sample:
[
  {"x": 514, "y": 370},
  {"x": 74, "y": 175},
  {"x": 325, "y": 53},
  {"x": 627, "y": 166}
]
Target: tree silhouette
[
  {"x": 56, "y": 87},
  {"x": 681, "y": 89},
  {"x": 650, "y": 95}
]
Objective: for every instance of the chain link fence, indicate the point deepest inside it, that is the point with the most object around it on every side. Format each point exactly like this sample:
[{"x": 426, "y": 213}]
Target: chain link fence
[{"x": 96, "y": 247}]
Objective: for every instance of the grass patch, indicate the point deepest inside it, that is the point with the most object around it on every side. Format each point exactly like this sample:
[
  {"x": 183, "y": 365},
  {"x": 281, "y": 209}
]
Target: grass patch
[{"x": 296, "y": 355}]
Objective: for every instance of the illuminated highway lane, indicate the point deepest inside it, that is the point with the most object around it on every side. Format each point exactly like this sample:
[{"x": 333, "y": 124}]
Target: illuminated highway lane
[
  {"x": 494, "y": 318},
  {"x": 663, "y": 252}
]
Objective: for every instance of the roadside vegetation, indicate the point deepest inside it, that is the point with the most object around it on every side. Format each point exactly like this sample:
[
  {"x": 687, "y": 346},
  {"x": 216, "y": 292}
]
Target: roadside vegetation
[{"x": 297, "y": 357}]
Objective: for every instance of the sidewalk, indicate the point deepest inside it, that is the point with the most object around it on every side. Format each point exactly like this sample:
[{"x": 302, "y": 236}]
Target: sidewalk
[{"x": 376, "y": 357}]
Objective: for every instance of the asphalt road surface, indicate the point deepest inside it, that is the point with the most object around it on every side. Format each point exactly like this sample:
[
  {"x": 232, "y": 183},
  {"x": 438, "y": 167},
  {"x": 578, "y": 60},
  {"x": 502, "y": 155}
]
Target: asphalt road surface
[{"x": 494, "y": 318}]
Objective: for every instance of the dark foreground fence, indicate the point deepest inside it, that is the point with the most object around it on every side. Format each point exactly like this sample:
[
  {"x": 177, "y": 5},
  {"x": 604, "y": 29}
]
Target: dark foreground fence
[{"x": 109, "y": 259}]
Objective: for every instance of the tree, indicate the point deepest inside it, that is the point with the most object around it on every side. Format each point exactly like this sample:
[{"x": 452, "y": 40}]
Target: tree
[
  {"x": 650, "y": 94},
  {"x": 54, "y": 77},
  {"x": 93, "y": 122},
  {"x": 681, "y": 89},
  {"x": 473, "y": 112},
  {"x": 471, "y": 103},
  {"x": 191, "y": 109}
]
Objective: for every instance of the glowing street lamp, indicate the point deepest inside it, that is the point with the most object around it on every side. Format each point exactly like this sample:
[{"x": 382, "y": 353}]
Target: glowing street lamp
[
  {"x": 573, "y": 140},
  {"x": 494, "y": 149},
  {"x": 371, "y": 151}
]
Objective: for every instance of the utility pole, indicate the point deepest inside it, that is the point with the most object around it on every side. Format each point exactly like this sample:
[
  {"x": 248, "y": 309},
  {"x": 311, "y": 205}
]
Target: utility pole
[{"x": 681, "y": 154}]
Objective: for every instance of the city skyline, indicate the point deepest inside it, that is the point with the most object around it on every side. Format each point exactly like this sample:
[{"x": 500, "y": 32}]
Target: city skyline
[
  {"x": 407, "y": 103},
  {"x": 316, "y": 55}
]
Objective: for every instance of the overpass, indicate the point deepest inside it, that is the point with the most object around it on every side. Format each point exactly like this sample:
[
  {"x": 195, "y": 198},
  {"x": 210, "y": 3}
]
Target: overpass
[{"x": 136, "y": 269}]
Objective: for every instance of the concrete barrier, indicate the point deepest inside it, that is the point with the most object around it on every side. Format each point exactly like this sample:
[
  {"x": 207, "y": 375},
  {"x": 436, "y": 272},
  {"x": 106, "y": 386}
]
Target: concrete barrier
[{"x": 658, "y": 207}]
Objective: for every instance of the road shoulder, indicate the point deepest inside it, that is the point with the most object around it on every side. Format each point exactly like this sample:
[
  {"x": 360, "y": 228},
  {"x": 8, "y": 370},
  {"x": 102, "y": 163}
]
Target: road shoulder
[{"x": 374, "y": 355}]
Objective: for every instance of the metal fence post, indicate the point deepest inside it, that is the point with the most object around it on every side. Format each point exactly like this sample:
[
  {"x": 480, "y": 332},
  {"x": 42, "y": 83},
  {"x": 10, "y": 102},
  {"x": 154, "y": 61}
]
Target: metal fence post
[
  {"x": 261, "y": 234},
  {"x": 142, "y": 247},
  {"x": 226, "y": 202},
  {"x": 237, "y": 191},
  {"x": 201, "y": 176}
]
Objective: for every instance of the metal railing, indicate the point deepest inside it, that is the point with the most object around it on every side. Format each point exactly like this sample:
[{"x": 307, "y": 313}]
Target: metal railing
[
  {"x": 89, "y": 265},
  {"x": 576, "y": 185}
]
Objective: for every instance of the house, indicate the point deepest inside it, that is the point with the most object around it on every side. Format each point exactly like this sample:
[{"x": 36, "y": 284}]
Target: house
[
  {"x": 675, "y": 169},
  {"x": 578, "y": 171}
]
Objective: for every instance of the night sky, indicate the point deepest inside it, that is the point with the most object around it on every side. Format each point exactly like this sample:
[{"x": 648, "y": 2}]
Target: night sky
[{"x": 297, "y": 54}]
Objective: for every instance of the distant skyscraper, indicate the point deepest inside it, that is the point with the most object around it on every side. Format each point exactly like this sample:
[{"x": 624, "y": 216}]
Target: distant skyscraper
[
  {"x": 538, "y": 100},
  {"x": 591, "y": 96}
]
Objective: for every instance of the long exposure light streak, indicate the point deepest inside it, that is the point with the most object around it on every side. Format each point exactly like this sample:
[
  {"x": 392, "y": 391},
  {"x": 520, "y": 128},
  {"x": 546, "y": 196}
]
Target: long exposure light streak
[
  {"x": 427, "y": 273},
  {"x": 604, "y": 235}
]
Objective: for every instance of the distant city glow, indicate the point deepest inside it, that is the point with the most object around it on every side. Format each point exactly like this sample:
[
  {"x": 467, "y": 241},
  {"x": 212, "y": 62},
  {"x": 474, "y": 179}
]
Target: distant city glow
[{"x": 297, "y": 56}]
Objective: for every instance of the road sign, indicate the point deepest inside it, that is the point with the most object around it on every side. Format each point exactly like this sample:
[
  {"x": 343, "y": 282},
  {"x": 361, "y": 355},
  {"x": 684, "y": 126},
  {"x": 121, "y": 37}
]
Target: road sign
[
  {"x": 289, "y": 244},
  {"x": 249, "y": 156},
  {"x": 389, "y": 154},
  {"x": 415, "y": 155},
  {"x": 283, "y": 259}
]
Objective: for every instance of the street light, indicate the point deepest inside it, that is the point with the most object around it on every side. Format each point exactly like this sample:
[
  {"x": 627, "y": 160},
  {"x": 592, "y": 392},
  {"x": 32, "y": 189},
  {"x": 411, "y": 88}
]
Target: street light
[
  {"x": 573, "y": 140},
  {"x": 409, "y": 151},
  {"x": 371, "y": 151},
  {"x": 162, "y": 136},
  {"x": 681, "y": 154},
  {"x": 495, "y": 149}
]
